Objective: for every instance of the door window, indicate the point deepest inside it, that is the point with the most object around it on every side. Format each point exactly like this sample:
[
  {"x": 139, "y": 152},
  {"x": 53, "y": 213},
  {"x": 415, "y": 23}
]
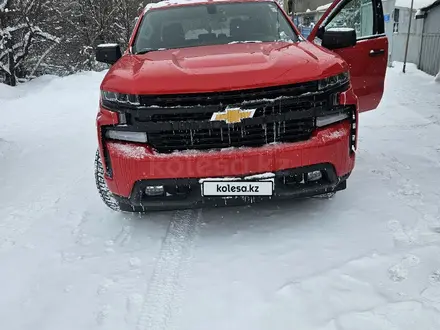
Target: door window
[
  {"x": 396, "y": 20},
  {"x": 355, "y": 14}
]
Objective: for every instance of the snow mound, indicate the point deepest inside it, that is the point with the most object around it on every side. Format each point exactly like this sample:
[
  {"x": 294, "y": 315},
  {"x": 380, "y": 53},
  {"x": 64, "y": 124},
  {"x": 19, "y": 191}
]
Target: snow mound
[
  {"x": 8, "y": 92},
  {"x": 324, "y": 7},
  {"x": 417, "y": 3},
  {"x": 48, "y": 84}
]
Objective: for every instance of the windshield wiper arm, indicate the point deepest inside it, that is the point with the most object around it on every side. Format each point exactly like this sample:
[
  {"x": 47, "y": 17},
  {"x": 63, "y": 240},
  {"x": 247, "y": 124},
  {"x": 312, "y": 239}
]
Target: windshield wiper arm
[{"x": 147, "y": 50}]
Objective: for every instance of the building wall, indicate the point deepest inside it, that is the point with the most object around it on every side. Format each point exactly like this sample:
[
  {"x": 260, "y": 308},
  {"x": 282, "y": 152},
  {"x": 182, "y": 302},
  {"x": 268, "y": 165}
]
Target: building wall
[
  {"x": 399, "y": 44},
  {"x": 400, "y": 36},
  {"x": 432, "y": 22},
  {"x": 430, "y": 46}
]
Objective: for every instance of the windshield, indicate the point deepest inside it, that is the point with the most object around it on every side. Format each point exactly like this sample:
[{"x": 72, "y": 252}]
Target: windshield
[{"x": 212, "y": 24}]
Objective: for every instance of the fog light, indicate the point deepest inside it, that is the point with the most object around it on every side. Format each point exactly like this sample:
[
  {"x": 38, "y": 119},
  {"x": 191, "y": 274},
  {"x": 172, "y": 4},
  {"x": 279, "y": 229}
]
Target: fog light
[
  {"x": 294, "y": 179},
  {"x": 314, "y": 176},
  {"x": 154, "y": 190}
]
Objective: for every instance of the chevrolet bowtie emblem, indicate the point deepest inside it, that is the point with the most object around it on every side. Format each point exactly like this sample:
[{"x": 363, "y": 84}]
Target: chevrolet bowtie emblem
[{"x": 233, "y": 115}]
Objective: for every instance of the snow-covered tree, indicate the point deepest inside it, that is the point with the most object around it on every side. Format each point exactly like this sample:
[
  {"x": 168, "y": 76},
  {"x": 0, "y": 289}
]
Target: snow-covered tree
[
  {"x": 60, "y": 36},
  {"x": 87, "y": 23},
  {"x": 22, "y": 25}
]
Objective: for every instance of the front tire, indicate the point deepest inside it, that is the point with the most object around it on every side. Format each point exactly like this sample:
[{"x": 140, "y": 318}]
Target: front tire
[
  {"x": 106, "y": 194},
  {"x": 101, "y": 185}
]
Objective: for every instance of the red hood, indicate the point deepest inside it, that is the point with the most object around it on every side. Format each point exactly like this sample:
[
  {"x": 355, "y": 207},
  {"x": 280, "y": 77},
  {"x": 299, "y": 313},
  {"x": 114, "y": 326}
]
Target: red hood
[{"x": 221, "y": 68}]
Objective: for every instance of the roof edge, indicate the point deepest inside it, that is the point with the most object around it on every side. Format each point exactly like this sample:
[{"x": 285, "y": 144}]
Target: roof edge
[{"x": 431, "y": 6}]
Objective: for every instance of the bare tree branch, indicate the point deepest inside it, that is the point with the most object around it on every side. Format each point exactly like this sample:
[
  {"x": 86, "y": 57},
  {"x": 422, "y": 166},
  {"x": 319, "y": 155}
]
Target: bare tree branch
[{"x": 42, "y": 57}]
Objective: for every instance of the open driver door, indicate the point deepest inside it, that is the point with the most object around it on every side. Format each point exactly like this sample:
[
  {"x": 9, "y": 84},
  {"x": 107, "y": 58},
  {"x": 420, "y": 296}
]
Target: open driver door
[{"x": 354, "y": 29}]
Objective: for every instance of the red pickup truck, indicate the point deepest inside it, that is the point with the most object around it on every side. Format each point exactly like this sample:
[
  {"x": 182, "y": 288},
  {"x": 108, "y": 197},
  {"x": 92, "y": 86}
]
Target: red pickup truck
[{"x": 218, "y": 102}]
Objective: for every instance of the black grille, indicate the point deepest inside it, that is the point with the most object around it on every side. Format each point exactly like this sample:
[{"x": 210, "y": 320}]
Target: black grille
[
  {"x": 264, "y": 108},
  {"x": 233, "y": 136},
  {"x": 182, "y": 122},
  {"x": 229, "y": 97}
]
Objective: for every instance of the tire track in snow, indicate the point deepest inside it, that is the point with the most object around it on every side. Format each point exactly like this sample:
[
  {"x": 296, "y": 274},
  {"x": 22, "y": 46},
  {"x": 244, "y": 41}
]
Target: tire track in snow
[{"x": 161, "y": 301}]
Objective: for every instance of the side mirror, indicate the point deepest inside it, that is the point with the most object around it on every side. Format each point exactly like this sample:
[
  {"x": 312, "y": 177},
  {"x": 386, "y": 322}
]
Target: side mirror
[
  {"x": 108, "y": 53},
  {"x": 335, "y": 38}
]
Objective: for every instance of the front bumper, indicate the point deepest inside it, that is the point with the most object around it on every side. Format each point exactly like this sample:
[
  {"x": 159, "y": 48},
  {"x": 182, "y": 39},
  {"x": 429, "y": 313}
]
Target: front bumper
[
  {"x": 192, "y": 197},
  {"x": 131, "y": 164}
]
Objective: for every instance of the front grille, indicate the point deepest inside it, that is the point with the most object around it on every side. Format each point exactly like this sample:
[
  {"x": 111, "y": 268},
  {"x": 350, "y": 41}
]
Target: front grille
[
  {"x": 236, "y": 136},
  {"x": 182, "y": 122},
  {"x": 264, "y": 108},
  {"x": 229, "y": 97}
]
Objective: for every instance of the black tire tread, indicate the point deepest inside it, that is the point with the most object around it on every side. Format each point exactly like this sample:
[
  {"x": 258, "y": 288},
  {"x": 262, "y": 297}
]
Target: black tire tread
[{"x": 101, "y": 185}]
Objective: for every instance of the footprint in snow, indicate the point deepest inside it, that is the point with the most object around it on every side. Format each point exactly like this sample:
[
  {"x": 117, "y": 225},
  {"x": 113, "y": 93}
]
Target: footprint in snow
[
  {"x": 382, "y": 174},
  {"x": 397, "y": 274},
  {"x": 399, "y": 233},
  {"x": 102, "y": 314},
  {"x": 409, "y": 191},
  {"x": 135, "y": 262},
  {"x": 121, "y": 239},
  {"x": 133, "y": 306},
  {"x": 400, "y": 271},
  {"x": 104, "y": 286},
  {"x": 435, "y": 277}
]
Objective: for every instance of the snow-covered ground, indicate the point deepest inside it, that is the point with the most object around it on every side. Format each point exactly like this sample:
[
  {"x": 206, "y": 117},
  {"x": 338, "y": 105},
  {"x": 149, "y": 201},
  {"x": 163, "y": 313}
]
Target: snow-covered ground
[{"x": 367, "y": 260}]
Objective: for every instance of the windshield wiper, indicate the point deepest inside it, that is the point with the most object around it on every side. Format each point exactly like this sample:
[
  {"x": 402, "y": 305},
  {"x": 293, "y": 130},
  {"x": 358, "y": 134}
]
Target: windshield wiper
[{"x": 147, "y": 50}]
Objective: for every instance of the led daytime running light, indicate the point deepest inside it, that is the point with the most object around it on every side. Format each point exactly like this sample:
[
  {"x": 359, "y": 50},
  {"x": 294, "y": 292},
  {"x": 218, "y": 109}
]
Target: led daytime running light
[
  {"x": 119, "y": 98},
  {"x": 334, "y": 81}
]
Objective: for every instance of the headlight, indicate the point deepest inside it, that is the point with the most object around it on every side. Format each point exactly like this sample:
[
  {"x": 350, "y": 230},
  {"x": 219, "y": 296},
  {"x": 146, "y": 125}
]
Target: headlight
[
  {"x": 334, "y": 81},
  {"x": 127, "y": 136},
  {"x": 109, "y": 98}
]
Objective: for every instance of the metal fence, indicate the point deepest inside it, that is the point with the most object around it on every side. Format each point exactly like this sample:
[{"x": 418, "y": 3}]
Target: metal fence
[{"x": 430, "y": 53}]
